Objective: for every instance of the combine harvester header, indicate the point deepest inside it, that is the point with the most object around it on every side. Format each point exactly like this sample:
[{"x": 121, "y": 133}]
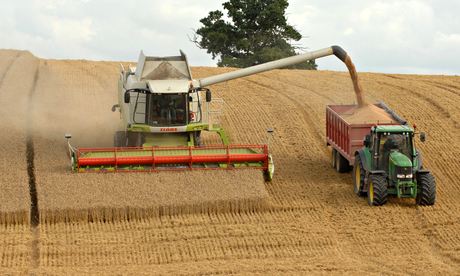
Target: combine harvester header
[{"x": 163, "y": 111}]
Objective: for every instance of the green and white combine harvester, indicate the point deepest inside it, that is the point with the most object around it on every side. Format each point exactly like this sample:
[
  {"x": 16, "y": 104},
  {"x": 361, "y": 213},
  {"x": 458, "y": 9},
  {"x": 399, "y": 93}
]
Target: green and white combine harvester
[{"x": 163, "y": 112}]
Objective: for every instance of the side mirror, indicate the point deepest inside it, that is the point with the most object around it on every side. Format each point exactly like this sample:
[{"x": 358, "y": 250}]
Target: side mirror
[
  {"x": 208, "y": 96},
  {"x": 367, "y": 141},
  {"x": 127, "y": 97},
  {"x": 422, "y": 137}
]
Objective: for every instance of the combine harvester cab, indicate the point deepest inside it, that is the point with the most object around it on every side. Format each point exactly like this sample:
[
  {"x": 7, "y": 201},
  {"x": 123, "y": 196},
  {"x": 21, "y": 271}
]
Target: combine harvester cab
[{"x": 162, "y": 116}]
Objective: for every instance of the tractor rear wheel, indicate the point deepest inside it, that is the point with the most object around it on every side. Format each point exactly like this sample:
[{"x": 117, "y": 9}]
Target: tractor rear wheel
[
  {"x": 119, "y": 139},
  {"x": 426, "y": 192},
  {"x": 358, "y": 176},
  {"x": 377, "y": 191},
  {"x": 333, "y": 158},
  {"x": 341, "y": 163}
]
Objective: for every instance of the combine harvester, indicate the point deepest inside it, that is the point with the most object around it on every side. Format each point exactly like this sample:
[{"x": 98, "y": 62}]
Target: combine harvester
[{"x": 163, "y": 112}]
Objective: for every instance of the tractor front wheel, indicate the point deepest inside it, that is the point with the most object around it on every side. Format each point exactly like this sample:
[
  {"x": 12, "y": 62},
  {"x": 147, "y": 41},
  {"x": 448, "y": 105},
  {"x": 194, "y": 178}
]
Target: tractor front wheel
[
  {"x": 426, "y": 192},
  {"x": 358, "y": 176},
  {"x": 377, "y": 191}
]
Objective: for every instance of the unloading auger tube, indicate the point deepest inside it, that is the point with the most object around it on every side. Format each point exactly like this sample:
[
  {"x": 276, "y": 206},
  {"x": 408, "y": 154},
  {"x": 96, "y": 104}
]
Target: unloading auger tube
[{"x": 338, "y": 51}]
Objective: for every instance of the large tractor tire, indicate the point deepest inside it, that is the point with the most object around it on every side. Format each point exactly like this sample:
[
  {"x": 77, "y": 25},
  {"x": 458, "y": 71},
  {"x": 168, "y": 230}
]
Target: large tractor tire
[
  {"x": 119, "y": 139},
  {"x": 377, "y": 191},
  {"x": 358, "y": 176},
  {"x": 333, "y": 158},
  {"x": 426, "y": 192},
  {"x": 342, "y": 165}
]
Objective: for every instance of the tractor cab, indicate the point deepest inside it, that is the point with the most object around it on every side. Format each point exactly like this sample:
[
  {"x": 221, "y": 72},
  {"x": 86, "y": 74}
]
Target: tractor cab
[{"x": 393, "y": 152}]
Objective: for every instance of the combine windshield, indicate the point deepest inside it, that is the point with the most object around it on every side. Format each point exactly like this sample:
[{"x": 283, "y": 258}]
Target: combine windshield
[{"x": 166, "y": 109}]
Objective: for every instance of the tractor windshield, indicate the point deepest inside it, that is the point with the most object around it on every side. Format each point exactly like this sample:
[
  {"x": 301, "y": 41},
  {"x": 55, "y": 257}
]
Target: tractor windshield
[
  {"x": 401, "y": 142},
  {"x": 166, "y": 109}
]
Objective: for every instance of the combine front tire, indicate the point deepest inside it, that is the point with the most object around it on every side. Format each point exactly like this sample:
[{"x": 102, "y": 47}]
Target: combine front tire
[
  {"x": 119, "y": 139},
  {"x": 358, "y": 177},
  {"x": 197, "y": 138},
  {"x": 134, "y": 139},
  {"x": 377, "y": 192},
  {"x": 426, "y": 192}
]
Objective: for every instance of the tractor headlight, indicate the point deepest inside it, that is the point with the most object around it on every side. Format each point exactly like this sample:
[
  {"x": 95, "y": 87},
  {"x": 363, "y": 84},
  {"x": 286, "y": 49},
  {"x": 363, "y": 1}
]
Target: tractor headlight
[{"x": 404, "y": 173}]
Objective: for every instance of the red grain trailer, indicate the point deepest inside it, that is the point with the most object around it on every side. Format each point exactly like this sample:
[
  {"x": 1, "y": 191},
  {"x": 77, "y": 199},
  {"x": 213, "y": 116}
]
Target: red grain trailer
[{"x": 345, "y": 132}]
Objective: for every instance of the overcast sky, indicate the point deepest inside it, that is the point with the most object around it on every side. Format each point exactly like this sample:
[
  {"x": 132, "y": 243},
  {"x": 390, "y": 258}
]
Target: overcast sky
[{"x": 413, "y": 36}]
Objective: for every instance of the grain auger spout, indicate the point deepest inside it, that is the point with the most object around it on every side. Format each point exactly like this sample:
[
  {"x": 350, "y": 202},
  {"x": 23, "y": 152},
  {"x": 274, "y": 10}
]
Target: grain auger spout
[{"x": 338, "y": 51}]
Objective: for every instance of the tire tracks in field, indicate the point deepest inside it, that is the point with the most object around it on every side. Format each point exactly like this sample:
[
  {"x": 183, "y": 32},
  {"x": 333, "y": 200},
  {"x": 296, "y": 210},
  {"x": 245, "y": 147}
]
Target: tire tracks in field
[
  {"x": 444, "y": 112},
  {"x": 446, "y": 87},
  {"x": 427, "y": 231},
  {"x": 8, "y": 68},
  {"x": 310, "y": 124},
  {"x": 306, "y": 117},
  {"x": 30, "y": 155},
  {"x": 300, "y": 87}
]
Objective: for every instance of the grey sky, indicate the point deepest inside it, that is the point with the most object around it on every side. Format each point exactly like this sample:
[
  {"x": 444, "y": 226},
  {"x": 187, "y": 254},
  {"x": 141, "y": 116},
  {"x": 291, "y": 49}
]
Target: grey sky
[{"x": 412, "y": 36}]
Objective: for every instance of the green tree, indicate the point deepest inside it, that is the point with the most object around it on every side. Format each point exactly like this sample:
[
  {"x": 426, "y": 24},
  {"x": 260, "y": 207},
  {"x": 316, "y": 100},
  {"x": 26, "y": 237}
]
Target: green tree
[{"x": 256, "y": 32}]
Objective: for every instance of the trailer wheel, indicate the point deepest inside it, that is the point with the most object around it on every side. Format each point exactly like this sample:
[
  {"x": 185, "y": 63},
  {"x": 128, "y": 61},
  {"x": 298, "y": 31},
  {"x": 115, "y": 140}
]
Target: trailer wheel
[
  {"x": 333, "y": 158},
  {"x": 426, "y": 192},
  {"x": 377, "y": 192},
  {"x": 342, "y": 164},
  {"x": 358, "y": 176},
  {"x": 119, "y": 139}
]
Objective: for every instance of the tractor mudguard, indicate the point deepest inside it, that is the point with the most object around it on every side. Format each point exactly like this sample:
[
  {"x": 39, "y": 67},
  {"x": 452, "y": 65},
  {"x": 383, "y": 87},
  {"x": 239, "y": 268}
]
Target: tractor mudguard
[
  {"x": 369, "y": 174},
  {"x": 377, "y": 172},
  {"x": 420, "y": 160},
  {"x": 363, "y": 160},
  {"x": 423, "y": 171}
]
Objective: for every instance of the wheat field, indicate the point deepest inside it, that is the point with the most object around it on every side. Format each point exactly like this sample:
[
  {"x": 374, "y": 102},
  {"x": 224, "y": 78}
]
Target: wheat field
[{"x": 307, "y": 220}]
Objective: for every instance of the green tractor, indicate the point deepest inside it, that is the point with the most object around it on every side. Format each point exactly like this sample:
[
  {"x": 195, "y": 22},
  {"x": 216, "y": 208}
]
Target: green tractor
[{"x": 389, "y": 164}]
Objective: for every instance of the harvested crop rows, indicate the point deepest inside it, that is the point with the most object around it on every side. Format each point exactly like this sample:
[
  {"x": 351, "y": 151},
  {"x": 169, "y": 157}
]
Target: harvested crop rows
[{"x": 312, "y": 221}]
